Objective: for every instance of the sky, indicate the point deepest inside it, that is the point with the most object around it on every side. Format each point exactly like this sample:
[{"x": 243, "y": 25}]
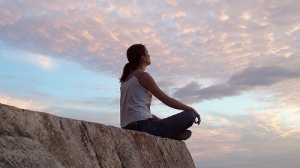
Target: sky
[{"x": 235, "y": 62}]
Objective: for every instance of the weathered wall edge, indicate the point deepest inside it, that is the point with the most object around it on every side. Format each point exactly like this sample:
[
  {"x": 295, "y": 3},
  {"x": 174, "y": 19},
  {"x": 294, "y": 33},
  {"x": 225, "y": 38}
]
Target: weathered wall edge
[{"x": 34, "y": 139}]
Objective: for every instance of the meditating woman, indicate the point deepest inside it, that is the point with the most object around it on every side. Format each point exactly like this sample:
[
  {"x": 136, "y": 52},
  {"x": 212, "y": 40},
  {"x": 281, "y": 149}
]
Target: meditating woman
[{"x": 137, "y": 88}]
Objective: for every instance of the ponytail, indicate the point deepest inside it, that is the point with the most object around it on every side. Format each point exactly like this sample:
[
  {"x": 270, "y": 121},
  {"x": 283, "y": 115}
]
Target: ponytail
[{"x": 126, "y": 70}]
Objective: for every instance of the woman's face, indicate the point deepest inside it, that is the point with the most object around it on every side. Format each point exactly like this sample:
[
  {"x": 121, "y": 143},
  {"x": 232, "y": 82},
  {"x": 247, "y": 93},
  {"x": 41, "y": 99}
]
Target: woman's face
[{"x": 147, "y": 57}]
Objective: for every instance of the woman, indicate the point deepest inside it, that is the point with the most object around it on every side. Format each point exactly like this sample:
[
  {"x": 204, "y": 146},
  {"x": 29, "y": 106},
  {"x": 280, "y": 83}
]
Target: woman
[{"x": 137, "y": 88}]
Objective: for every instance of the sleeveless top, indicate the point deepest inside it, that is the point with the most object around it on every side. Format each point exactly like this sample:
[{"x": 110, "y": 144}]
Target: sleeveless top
[{"x": 135, "y": 101}]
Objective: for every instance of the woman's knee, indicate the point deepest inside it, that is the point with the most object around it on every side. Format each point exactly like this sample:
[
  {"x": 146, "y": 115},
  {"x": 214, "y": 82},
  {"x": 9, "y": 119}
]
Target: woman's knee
[
  {"x": 190, "y": 114},
  {"x": 190, "y": 118}
]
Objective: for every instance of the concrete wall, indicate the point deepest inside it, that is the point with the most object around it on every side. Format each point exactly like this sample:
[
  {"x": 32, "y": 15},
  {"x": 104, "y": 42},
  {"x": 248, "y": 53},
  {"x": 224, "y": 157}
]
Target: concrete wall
[{"x": 36, "y": 139}]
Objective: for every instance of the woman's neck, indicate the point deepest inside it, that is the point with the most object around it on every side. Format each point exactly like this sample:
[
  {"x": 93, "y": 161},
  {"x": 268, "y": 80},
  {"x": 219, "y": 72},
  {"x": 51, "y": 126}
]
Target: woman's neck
[{"x": 141, "y": 68}]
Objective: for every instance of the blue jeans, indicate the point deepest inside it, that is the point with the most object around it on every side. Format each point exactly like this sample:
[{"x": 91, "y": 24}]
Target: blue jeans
[{"x": 167, "y": 127}]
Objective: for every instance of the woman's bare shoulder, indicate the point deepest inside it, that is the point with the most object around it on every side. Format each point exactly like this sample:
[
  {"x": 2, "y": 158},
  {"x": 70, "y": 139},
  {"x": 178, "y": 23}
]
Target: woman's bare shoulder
[
  {"x": 146, "y": 80},
  {"x": 131, "y": 74}
]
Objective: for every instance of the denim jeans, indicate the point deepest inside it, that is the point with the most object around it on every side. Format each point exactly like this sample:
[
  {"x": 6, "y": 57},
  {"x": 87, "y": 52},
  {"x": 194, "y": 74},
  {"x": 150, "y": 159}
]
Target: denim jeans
[{"x": 167, "y": 127}]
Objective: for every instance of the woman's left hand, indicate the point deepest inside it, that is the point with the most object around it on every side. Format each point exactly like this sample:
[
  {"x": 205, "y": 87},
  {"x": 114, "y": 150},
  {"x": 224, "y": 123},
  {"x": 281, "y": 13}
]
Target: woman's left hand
[{"x": 198, "y": 116}]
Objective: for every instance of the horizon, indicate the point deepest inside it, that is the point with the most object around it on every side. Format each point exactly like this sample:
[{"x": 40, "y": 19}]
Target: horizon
[{"x": 236, "y": 63}]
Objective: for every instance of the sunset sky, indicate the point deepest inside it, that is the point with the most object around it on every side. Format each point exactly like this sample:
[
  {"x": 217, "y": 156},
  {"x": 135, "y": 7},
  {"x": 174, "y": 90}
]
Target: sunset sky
[{"x": 236, "y": 62}]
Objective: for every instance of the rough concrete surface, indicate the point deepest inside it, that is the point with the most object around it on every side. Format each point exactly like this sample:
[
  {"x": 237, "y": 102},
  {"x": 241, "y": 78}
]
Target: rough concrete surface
[{"x": 36, "y": 139}]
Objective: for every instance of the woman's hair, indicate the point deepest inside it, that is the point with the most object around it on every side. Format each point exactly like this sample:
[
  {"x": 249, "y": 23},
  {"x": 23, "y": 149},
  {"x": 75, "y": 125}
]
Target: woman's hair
[{"x": 134, "y": 53}]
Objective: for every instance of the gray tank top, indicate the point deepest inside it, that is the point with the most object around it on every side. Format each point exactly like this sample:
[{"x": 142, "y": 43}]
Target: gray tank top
[{"x": 135, "y": 101}]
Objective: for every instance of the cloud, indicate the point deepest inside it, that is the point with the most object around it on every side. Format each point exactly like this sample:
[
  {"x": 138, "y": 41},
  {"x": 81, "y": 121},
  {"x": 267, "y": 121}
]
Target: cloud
[
  {"x": 262, "y": 76},
  {"x": 223, "y": 141},
  {"x": 44, "y": 62},
  {"x": 181, "y": 36},
  {"x": 245, "y": 80},
  {"x": 22, "y": 103}
]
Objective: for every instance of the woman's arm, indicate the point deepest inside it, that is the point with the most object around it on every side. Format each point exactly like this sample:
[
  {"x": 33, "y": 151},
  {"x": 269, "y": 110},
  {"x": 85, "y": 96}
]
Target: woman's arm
[{"x": 148, "y": 82}]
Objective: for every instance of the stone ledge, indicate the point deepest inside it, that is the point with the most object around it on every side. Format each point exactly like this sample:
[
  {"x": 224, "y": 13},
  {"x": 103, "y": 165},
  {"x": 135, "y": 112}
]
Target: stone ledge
[{"x": 36, "y": 139}]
